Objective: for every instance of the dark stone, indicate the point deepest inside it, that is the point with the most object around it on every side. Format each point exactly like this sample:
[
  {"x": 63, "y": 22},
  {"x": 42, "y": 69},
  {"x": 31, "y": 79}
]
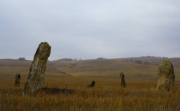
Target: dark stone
[
  {"x": 92, "y": 84},
  {"x": 123, "y": 83},
  {"x": 55, "y": 91},
  {"x": 17, "y": 80}
]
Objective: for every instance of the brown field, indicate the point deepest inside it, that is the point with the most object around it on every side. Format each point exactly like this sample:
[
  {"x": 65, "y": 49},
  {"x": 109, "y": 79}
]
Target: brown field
[{"x": 107, "y": 95}]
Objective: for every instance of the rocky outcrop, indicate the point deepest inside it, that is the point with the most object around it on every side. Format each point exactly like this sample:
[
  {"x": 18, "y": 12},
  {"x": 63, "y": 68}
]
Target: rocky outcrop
[
  {"x": 37, "y": 70},
  {"x": 166, "y": 76}
]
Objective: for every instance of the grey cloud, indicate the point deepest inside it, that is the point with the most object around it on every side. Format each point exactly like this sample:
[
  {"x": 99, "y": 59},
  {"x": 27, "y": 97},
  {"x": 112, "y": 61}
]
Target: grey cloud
[{"x": 90, "y": 29}]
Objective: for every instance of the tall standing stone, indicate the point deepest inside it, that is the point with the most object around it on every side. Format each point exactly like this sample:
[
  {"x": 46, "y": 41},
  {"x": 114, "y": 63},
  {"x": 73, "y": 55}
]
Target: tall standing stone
[
  {"x": 123, "y": 83},
  {"x": 17, "y": 80},
  {"x": 37, "y": 70},
  {"x": 166, "y": 76}
]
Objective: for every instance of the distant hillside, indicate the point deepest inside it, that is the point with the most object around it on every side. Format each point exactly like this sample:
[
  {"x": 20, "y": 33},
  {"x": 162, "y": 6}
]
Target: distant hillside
[
  {"x": 154, "y": 60},
  {"x": 97, "y": 67},
  {"x": 14, "y": 62},
  {"x": 112, "y": 67}
]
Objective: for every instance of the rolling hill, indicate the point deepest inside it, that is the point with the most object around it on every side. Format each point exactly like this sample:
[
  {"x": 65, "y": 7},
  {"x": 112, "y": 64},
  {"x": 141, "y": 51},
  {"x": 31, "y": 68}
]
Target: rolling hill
[{"x": 109, "y": 68}]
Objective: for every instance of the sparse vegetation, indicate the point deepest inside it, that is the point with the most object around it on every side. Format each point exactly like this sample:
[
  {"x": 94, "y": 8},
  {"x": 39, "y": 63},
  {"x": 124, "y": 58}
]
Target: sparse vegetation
[
  {"x": 102, "y": 98},
  {"x": 107, "y": 95}
]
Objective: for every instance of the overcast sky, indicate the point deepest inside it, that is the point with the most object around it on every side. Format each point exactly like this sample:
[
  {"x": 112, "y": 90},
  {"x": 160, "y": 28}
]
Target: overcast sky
[{"x": 90, "y": 28}]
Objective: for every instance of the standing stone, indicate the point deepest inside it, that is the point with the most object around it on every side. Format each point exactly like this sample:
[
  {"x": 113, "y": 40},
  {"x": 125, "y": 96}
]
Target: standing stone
[
  {"x": 166, "y": 76},
  {"x": 123, "y": 83},
  {"x": 37, "y": 70},
  {"x": 17, "y": 80}
]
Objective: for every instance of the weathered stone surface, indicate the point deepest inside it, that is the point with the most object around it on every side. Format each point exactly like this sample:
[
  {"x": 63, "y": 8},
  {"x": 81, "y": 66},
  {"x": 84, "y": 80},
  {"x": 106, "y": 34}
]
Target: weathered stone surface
[
  {"x": 123, "y": 83},
  {"x": 166, "y": 76},
  {"x": 17, "y": 80},
  {"x": 37, "y": 70}
]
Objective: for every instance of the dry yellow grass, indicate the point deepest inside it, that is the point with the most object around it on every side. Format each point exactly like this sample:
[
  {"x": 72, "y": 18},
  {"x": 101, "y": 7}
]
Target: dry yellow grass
[{"x": 107, "y": 95}]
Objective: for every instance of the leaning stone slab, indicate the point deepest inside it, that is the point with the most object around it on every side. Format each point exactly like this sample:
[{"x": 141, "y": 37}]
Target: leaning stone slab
[
  {"x": 37, "y": 70},
  {"x": 166, "y": 76}
]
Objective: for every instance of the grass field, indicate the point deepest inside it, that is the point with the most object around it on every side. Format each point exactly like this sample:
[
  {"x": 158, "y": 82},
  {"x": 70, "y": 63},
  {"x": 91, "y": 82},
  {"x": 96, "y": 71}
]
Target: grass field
[{"x": 107, "y": 95}]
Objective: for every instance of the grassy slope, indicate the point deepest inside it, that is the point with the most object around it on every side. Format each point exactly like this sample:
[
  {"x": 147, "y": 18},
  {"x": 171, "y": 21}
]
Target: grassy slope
[
  {"x": 139, "y": 95},
  {"x": 112, "y": 68},
  {"x": 99, "y": 68}
]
